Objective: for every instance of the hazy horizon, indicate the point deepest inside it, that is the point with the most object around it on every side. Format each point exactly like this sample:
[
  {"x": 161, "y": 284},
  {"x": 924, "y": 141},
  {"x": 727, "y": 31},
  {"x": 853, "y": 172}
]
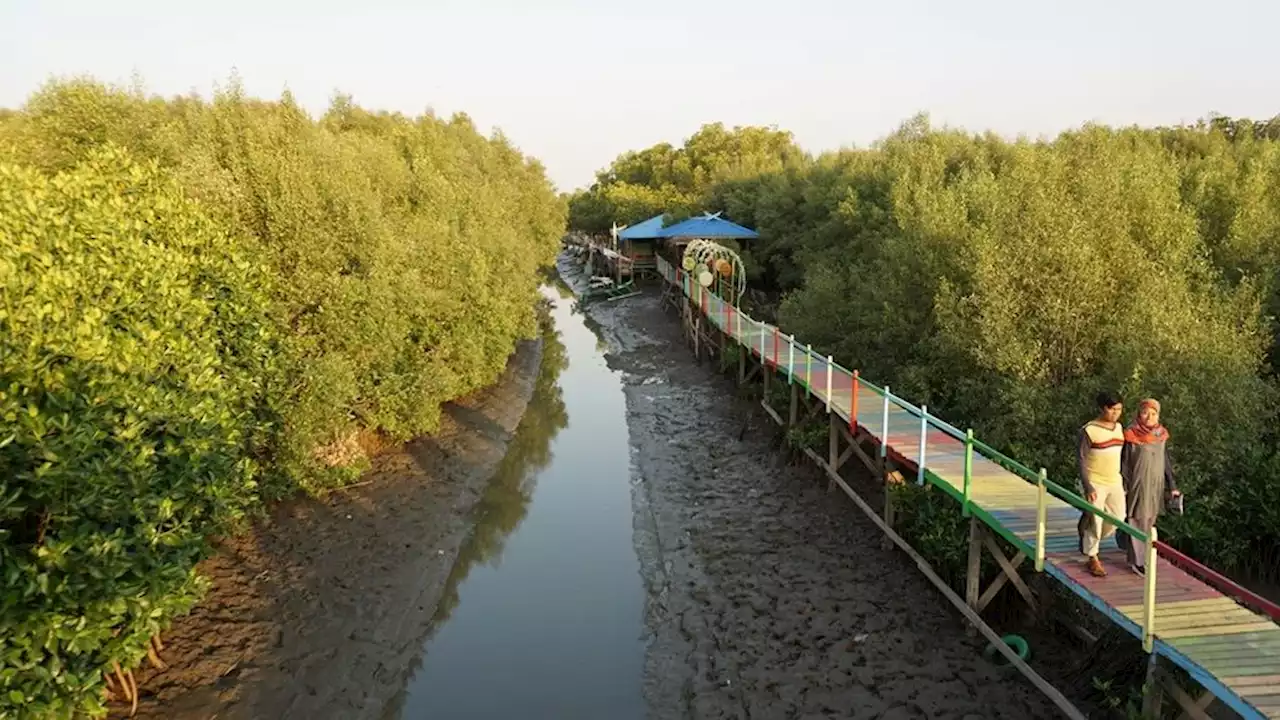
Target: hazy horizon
[{"x": 575, "y": 84}]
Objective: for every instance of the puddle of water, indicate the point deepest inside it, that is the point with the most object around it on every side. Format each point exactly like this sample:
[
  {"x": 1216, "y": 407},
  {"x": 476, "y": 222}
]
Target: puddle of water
[{"x": 545, "y": 613}]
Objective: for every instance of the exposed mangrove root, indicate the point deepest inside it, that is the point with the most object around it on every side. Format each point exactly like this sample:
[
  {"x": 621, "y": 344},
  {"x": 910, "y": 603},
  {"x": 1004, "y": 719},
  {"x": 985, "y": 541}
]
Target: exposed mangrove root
[
  {"x": 128, "y": 686},
  {"x": 133, "y": 692},
  {"x": 154, "y": 657}
]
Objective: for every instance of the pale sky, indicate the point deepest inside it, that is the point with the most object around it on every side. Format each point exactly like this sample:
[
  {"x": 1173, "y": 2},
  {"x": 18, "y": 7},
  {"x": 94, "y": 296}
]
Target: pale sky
[{"x": 575, "y": 82}]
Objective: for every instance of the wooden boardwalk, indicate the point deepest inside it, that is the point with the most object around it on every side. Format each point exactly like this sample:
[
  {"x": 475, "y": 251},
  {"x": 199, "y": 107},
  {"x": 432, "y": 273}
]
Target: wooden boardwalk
[{"x": 1231, "y": 650}]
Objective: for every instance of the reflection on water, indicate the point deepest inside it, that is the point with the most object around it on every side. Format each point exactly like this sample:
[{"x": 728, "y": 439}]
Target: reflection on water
[
  {"x": 543, "y": 613},
  {"x": 506, "y": 499}
]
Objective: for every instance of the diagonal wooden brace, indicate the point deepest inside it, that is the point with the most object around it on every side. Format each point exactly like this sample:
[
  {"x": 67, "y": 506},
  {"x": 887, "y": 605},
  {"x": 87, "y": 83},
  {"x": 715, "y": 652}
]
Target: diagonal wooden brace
[
  {"x": 1192, "y": 709},
  {"x": 980, "y": 536}
]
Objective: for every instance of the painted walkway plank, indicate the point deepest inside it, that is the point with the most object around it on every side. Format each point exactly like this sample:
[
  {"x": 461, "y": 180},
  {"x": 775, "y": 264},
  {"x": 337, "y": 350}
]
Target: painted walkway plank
[{"x": 1231, "y": 650}]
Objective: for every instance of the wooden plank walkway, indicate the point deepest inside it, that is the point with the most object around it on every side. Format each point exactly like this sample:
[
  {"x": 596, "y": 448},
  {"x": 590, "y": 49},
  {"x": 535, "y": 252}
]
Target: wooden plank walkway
[{"x": 1231, "y": 650}]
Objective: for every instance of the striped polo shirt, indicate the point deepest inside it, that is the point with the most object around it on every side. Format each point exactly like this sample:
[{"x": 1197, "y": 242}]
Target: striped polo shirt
[{"x": 1101, "y": 461}]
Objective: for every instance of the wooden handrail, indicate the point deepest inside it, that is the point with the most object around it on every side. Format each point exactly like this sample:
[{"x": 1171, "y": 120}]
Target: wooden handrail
[{"x": 1222, "y": 583}]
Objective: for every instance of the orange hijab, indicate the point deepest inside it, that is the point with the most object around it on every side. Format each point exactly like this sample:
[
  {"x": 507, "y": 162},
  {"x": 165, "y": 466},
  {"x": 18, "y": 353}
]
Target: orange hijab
[{"x": 1139, "y": 434}]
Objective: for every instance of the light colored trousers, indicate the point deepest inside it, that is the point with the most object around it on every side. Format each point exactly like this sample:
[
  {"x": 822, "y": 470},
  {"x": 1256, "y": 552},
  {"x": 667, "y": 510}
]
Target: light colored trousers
[{"x": 1094, "y": 529}]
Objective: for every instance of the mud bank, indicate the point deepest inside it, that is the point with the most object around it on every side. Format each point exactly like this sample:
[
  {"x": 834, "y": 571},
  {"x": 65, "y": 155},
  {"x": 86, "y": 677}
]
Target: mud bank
[
  {"x": 321, "y": 610},
  {"x": 768, "y": 596}
]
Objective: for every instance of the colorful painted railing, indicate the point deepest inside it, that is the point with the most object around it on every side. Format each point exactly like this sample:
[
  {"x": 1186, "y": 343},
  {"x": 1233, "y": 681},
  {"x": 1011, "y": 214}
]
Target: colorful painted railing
[{"x": 1172, "y": 611}]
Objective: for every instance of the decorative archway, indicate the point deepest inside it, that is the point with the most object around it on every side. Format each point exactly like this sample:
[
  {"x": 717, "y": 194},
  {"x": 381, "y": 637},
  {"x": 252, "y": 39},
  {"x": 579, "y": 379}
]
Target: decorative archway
[{"x": 710, "y": 263}]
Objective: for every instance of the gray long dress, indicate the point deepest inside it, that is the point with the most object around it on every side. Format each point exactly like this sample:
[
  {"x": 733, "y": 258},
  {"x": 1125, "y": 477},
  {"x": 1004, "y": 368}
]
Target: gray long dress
[{"x": 1148, "y": 477}]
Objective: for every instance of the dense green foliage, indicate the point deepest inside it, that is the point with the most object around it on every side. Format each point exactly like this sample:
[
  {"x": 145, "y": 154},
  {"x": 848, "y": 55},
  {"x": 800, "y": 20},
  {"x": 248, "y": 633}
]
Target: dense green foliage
[
  {"x": 675, "y": 181},
  {"x": 206, "y": 304},
  {"x": 1003, "y": 283}
]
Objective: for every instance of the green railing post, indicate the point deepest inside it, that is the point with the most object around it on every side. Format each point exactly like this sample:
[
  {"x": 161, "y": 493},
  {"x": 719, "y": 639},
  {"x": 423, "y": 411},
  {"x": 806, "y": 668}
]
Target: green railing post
[
  {"x": 924, "y": 443},
  {"x": 1149, "y": 599},
  {"x": 1042, "y": 505},
  {"x": 808, "y": 370},
  {"x": 968, "y": 471}
]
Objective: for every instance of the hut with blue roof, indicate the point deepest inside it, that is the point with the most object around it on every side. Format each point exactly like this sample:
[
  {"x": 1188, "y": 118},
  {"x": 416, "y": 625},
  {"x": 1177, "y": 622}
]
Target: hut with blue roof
[
  {"x": 638, "y": 242},
  {"x": 709, "y": 226}
]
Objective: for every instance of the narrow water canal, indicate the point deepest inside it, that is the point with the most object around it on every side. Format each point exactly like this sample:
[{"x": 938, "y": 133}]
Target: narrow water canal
[{"x": 546, "y": 620}]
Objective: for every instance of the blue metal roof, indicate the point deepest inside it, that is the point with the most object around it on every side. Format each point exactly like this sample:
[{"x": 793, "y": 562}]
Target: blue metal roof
[
  {"x": 708, "y": 226},
  {"x": 647, "y": 230}
]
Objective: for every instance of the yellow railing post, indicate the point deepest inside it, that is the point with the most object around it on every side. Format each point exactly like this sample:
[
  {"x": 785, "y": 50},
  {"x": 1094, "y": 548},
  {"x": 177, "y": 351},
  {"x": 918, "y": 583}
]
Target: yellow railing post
[
  {"x": 1042, "y": 503},
  {"x": 808, "y": 369},
  {"x": 1149, "y": 600},
  {"x": 791, "y": 359},
  {"x": 968, "y": 471}
]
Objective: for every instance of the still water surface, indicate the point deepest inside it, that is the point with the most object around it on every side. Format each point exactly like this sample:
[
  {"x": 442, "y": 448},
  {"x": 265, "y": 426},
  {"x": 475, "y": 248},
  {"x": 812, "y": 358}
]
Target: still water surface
[{"x": 544, "y": 617}]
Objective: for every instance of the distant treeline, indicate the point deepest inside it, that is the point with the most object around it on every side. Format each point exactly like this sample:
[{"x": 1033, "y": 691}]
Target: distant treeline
[
  {"x": 208, "y": 304},
  {"x": 1005, "y": 282}
]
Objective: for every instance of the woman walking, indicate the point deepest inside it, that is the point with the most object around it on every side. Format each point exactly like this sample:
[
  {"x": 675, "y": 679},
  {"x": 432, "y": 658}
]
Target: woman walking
[{"x": 1148, "y": 477}]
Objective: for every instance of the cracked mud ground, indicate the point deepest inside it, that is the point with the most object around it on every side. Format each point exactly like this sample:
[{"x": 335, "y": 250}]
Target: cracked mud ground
[{"x": 768, "y": 596}]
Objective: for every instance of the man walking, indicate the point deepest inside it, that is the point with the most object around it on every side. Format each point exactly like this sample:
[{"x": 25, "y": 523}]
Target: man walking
[{"x": 1101, "y": 443}]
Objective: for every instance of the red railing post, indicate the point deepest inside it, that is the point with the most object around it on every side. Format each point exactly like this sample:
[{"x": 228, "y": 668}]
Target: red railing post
[
  {"x": 853, "y": 406},
  {"x": 775, "y": 346}
]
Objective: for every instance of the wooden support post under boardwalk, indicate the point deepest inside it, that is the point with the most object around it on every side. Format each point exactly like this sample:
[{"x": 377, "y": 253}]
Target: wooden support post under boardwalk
[
  {"x": 795, "y": 401},
  {"x": 833, "y": 447},
  {"x": 973, "y": 570},
  {"x": 1152, "y": 690},
  {"x": 742, "y": 365},
  {"x": 890, "y": 512},
  {"x": 697, "y": 323}
]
